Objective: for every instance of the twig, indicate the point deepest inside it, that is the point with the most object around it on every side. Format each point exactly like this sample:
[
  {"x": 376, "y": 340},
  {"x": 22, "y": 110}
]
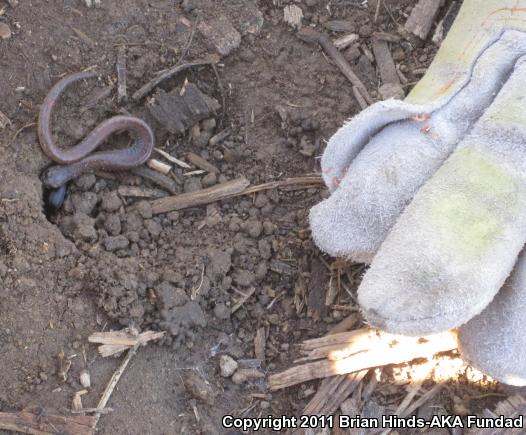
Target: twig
[
  {"x": 244, "y": 298},
  {"x": 113, "y": 383},
  {"x": 4, "y": 121},
  {"x": 227, "y": 190},
  {"x": 148, "y": 87},
  {"x": 188, "y": 43},
  {"x": 223, "y": 97},
  {"x": 219, "y": 137},
  {"x": 377, "y": 12},
  {"x": 312, "y": 36},
  {"x": 31, "y": 124},
  {"x": 173, "y": 159},
  {"x": 122, "y": 92},
  {"x": 201, "y": 197},
  {"x": 201, "y": 163}
]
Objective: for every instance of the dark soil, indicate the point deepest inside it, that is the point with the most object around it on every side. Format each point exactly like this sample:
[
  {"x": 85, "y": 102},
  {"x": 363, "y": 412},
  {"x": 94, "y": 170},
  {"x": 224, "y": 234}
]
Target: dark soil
[{"x": 105, "y": 262}]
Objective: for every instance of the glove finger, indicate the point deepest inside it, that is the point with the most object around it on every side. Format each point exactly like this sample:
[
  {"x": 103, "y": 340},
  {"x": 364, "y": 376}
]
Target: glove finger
[
  {"x": 401, "y": 157},
  {"x": 457, "y": 241},
  {"x": 494, "y": 341}
]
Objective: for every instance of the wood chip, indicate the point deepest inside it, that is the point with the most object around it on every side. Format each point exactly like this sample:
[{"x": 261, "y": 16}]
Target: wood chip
[
  {"x": 201, "y": 163},
  {"x": 159, "y": 166},
  {"x": 181, "y": 108},
  {"x": 344, "y": 41},
  {"x": 157, "y": 178},
  {"x": 219, "y": 137},
  {"x": 76, "y": 404},
  {"x": 47, "y": 424},
  {"x": 317, "y": 289},
  {"x": 4, "y": 121},
  {"x": 260, "y": 341},
  {"x": 293, "y": 15},
  {"x": 122, "y": 90},
  {"x": 201, "y": 197},
  {"x": 113, "y": 342},
  {"x": 220, "y": 33},
  {"x": 172, "y": 159},
  {"x": 384, "y": 61},
  {"x": 422, "y": 18}
]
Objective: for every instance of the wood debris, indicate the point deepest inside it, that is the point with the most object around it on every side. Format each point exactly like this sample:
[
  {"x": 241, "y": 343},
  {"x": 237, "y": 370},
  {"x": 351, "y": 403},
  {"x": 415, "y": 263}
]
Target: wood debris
[
  {"x": 46, "y": 424},
  {"x": 333, "y": 392},
  {"x": 511, "y": 407},
  {"x": 113, "y": 342},
  {"x": 353, "y": 351},
  {"x": 166, "y": 74},
  {"x": 122, "y": 90},
  {"x": 260, "y": 342},
  {"x": 317, "y": 289},
  {"x": 172, "y": 159},
  {"x": 391, "y": 87},
  {"x": 159, "y": 166},
  {"x": 13, "y": 3},
  {"x": 293, "y": 15},
  {"x": 230, "y": 189},
  {"x": 219, "y": 137},
  {"x": 201, "y": 163},
  {"x": 220, "y": 33},
  {"x": 4, "y": 121},
  {"x": 343, "y": 42},
  {"x": 422, "y": 18},
  {"x": 201, "y": 197},
  {"x": 76, "y": 404},
  {"x": 245, "y": 297},
  {"x": 445, "y": 23},
  {"x": 181, "y": 108}
]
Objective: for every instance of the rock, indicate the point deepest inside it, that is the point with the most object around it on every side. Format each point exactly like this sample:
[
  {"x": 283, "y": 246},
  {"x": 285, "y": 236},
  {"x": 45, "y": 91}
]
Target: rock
[
  {"x": 198, "y": 387},
  {"x": 221, "y": 311},
  {"x": 111, "y": 201},
  {"x": 145, "y": 209},
  {"x": 227, "y": 366},
  {"x": 5, "y": 31},
  {"x": 112, "y": 224},
  {"x": 220, "y": 33},
  {"x": 114, "y": 243}
]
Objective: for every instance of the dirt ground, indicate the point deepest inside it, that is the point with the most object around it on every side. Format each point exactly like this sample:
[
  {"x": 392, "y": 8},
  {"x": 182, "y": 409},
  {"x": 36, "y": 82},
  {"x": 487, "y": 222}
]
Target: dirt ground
[{"x": 105, "y": 262}]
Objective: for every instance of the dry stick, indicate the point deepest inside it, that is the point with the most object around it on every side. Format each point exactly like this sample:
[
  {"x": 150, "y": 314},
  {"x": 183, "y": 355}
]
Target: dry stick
[
  {"x": 29, "y": 423},
  {"x": 159, "y": 166},
  {"x": 201, "y": 163},
  {"x": 227, "y": 190},
  {"x": 122, "y": 92},
  {"x": 148, "y": 87},
  {"x": 312, "y": 36},
  {"x": 172, "y": 159},
  {"x": 381, "y": 352},
  {"x": 201, "y": 197},
  {"x": 113, "y": 383},
  {"x": 140, "y": 192}
]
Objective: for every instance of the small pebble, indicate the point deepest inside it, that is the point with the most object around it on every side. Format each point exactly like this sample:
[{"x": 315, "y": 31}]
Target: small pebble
[
  {"x": 227, "y": 365},
  {"x": 221, "y": 311},
  {"x": 5, "y": 31}
]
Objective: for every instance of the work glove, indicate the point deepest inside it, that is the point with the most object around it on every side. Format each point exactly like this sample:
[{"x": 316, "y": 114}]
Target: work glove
[{"x": 432, "y": 192}]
